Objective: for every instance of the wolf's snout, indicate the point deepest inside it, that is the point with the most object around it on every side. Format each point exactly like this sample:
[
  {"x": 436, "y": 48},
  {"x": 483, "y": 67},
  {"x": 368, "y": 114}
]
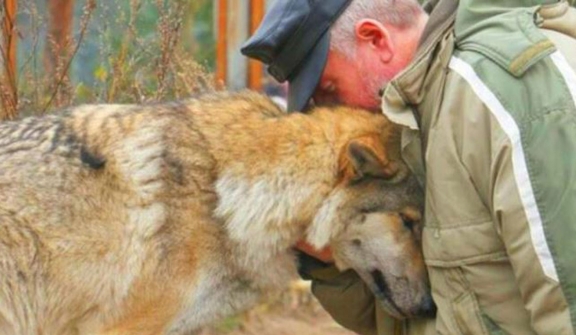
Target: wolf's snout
[{"x": 427, "y": 307}]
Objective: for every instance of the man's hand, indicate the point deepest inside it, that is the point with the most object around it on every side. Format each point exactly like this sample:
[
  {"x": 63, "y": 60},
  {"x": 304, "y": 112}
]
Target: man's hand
[{"x": 325, "y": 255}]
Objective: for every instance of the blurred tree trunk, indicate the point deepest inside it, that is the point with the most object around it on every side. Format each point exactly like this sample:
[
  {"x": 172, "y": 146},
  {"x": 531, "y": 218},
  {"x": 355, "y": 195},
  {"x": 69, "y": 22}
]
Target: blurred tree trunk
[
  {"x": 8, "y": 89},
  {"x": 58, "y": 48}
]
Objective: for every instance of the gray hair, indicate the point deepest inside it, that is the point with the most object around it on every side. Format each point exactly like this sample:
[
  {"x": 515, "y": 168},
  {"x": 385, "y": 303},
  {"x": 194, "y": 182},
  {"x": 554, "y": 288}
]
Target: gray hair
[{"x": 399, "y": 13}]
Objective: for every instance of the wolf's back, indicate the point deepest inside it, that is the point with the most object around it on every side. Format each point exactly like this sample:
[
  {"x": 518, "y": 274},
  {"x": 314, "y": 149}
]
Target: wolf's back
[{"x": 78, "y": 188}]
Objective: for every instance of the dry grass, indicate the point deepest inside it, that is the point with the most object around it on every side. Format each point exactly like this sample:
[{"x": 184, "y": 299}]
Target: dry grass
[{"x": 132, "y": 66}]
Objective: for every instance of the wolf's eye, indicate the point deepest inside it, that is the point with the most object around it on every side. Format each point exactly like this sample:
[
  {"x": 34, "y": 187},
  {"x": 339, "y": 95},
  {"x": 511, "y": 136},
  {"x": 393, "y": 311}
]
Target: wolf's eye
[
  {"x": 356, "y": 242},
  {"x": 408, "y": 223}
]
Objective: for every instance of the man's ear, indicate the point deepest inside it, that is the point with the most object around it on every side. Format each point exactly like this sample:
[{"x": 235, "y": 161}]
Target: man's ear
[
  {"x": 378, "y": 37},
  {"x": 367, "y": 156}
]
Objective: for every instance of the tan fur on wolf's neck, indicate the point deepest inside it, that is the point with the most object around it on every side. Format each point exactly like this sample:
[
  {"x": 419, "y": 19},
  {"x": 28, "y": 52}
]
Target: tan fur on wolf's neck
[{"x": 256, "y": 161}]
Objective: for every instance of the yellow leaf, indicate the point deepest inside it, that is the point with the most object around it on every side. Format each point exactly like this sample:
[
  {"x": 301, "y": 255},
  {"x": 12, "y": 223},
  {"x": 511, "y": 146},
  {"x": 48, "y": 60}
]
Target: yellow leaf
[{"x": 100, "y": 73}]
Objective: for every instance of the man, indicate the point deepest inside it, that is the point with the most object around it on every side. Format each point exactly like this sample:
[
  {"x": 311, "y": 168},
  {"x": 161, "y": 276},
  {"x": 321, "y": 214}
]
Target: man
[{"x": 487, "y": 94}]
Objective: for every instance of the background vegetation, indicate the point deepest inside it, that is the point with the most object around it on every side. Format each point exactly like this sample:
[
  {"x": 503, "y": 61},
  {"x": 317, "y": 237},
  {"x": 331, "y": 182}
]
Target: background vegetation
[{"x": 118, "y": 51}]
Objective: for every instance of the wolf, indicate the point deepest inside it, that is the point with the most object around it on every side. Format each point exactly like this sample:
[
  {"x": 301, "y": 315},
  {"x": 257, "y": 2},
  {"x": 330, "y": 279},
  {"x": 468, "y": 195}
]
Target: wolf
[{"x": 162, "y": 218}]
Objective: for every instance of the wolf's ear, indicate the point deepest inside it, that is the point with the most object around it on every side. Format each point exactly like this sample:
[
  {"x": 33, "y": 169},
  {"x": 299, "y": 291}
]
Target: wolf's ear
[{"x": 367, "y": 156}]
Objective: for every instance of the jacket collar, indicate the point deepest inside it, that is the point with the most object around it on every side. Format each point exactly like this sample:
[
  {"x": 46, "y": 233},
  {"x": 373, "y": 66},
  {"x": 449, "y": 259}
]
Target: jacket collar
[
  {"x": 408, "y": 87},
  {"x": 471, "y": 25}
]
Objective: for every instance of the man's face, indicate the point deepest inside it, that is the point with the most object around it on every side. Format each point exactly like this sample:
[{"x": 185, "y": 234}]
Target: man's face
[
  {"x": 380, "y": 53},
  {"x": 351, "y": 82}
]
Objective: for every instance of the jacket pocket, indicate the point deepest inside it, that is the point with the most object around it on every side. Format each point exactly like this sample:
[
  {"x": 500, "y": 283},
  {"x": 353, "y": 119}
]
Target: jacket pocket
[
  {"x": 455, "y": 255},
  {"x": 467, "y": 315},
  {"x": 461, "y": 244}
]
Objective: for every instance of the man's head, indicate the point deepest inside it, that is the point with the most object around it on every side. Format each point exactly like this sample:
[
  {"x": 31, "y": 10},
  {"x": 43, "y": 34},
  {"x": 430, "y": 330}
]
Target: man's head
[{"x": 359, "y": 45}]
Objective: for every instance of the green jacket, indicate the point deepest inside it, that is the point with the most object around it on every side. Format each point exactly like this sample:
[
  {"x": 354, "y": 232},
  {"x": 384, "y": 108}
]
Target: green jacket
[{"x": 489, "y": 105}]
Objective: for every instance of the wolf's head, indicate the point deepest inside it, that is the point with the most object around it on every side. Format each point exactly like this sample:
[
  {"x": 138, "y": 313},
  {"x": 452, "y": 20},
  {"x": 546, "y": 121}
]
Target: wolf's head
[{"x": 372, "y": 221}]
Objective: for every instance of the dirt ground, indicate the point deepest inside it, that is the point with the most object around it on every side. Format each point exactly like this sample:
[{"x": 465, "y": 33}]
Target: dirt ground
[{"x": 294, "y": 312}]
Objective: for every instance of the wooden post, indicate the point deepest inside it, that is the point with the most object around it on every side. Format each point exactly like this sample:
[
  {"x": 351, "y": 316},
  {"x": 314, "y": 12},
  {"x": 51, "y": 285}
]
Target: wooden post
[
  {"x": 222, "y": 43},
  {"x": 58, "y": 45},
  {"x": 255, "y": 67},
  {"x": 10, "y": 97}
]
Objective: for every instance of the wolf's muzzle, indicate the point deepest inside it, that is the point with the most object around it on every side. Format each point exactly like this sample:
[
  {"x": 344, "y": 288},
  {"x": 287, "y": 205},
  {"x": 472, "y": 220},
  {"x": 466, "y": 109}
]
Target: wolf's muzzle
[{"x": 427, "y": 308}]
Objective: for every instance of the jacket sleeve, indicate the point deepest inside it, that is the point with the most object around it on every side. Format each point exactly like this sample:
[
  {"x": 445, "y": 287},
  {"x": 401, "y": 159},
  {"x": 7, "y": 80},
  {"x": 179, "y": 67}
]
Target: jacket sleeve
[
  {"x": 533, "y": 178},
  {"x": 346, "y": 298}
]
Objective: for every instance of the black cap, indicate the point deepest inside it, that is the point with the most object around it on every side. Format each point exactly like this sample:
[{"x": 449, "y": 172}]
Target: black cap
[{"x": 294, "y": 40}]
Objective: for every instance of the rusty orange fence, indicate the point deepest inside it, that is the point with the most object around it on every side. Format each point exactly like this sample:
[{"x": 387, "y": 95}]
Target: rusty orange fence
[
  {"x": 9, "y": 40},
  {"x": 222, "y": 43},
  {"x": 255, "y": 67}
]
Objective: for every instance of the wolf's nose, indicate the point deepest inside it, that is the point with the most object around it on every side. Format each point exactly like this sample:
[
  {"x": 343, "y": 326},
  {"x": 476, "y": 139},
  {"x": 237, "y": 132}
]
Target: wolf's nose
[{"x": 428, "y": 307}]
